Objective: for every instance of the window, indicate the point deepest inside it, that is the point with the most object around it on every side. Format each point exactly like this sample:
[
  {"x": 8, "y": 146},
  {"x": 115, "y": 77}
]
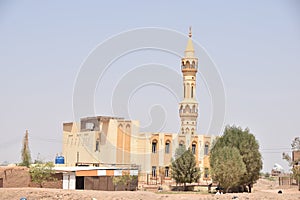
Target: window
[
  {"x": 89, "y": 126},
  {"x": 183, "y": 90},
  {"x": 97, "y": 146},
  {"x": 154, "y": 144},
  {"x": 206, "y": 172},
  {"x": 181, "y": 144},
  {"x": 206, "y": 149},
  {"x": 153, "y": 171},
  {"x": 192, "y": 92},
  {"x": 166, "y": 171},
  {"x": 167, "y": 148},
  {"x": 194, "y": 148}
]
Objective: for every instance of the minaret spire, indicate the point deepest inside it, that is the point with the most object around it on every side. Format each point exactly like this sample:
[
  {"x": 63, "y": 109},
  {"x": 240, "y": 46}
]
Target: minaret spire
[
  {"x": 190, "y": 33},
  {"x": 188, "y": 107},
  {"x": 189, "y": 50}
]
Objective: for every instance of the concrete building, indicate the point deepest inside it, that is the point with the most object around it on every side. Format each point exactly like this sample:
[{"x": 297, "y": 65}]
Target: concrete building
[{"x": 102, "y": 141}]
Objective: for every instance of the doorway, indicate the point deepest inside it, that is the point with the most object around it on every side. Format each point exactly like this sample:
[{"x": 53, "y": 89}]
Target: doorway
[{"x": 79, "y": 182}]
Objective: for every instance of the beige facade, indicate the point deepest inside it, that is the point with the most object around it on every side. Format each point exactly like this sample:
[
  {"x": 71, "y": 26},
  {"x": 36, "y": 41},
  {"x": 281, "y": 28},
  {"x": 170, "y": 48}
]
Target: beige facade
[
  {"x": 98, "y": 140},
  {"x": 102, "y": 140}
]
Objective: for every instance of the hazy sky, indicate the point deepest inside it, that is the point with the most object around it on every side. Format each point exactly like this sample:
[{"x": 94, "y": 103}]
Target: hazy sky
[{"x": 255, "y": 45}]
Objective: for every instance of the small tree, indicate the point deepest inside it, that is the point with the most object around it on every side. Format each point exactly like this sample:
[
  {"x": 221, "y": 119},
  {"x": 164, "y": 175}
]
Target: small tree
[
  {"x": 41, "y": 173},
  {"x": 25, "y": 153},
  {"x": 184, "y": 168}
]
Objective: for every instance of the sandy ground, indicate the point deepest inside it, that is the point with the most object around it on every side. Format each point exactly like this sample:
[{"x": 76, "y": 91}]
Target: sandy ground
[{"x": 263, "y": 190}]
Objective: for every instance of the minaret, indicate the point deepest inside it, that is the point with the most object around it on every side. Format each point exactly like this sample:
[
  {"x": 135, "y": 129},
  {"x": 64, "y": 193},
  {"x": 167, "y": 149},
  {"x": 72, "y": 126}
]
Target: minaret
[{"x": 188, "y": 107}]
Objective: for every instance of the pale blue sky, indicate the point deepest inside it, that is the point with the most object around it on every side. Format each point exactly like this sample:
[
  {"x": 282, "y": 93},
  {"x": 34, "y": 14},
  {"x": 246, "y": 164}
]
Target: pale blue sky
[{"x": 255, "y": 44}]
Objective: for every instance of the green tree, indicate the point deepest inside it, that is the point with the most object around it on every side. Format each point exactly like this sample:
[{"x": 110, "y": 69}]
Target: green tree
[
  {"x": 227, "y": 166},
  {"x": 248, "y": 147},
  {"x": 184, "y": 168},
  {"x": 124, "y": 180},
  {"x": 41, "y": 173},
  {"x": 296, "y": 144},
  {"x": 25, "y": 153}
]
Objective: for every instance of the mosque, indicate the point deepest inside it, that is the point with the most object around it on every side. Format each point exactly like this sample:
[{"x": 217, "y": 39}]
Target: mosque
[{"x": 112, "y": 141}]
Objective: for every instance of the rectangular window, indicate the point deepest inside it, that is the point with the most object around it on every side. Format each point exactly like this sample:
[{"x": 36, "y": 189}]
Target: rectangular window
[
  {"x": 206, "y": 149},
  {"x": 154, "y": 146},
  {"x": 206, "y": 172},
  {"x": 167, "y": 149},
  {"x": 153, "y": 171},
  {"x": 166, "y": 171},
  {"x": 97, "y": 146}
]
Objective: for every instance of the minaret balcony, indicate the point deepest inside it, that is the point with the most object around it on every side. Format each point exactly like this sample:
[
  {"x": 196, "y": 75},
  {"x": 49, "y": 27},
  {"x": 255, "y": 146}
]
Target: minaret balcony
[{"x": 188, "y": 114}]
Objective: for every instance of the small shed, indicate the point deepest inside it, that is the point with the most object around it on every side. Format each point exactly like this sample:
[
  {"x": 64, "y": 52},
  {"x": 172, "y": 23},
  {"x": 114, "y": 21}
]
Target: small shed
[{"x": 96, "y": 178}]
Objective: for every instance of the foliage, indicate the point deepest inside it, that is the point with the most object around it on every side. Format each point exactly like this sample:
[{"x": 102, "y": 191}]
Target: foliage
[
  {"x": 179, "y": 151},
  {"x": 42, "y": 172},
  {"x": 267, "y": 175},
  {"x": 248, "y": 148},
  {"x": 227, "y": 166},
  {"x": 25, "y": 153},
  {"x": 296, "y": 144},
  {"x": 124, "y": 180},
  {"x": 184, "y": 168}
]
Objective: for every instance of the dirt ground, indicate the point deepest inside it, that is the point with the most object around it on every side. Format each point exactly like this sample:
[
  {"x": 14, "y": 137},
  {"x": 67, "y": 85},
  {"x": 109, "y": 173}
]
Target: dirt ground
[
  {"x": 263, "y": 190},
  {"x": 18, "y": 185},
  {"x": 43, "y": 194}
]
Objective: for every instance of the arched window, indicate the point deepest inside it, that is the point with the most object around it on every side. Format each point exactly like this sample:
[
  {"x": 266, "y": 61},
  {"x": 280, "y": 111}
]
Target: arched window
[
  {"x": 192, "y": 92},
  {"x": 194, "y": 148},
  {"x": 194, "y": 109},
  {"x": 206, "y": 148},
  {"x": 167, "y": 147},
  {"x": 181, "y": 143},
  {"x": 187, "y": 109},
  {"x": 184, "y": 90},
  {"x": 181, "y": 109},
  {"x": 128, "y": 129},
  {"x": 188, "y": 90},
  {"x": 187, "y": 130},
  {"x": 193, "y": 64},
  {"x": 187, "y": 64},
  {"x": 154, "y": 146},
  {"x": 192, "y": 131}
]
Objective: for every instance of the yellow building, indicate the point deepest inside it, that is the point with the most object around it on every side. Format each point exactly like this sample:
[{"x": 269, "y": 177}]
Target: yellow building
[{"x": 99, "y": 141}]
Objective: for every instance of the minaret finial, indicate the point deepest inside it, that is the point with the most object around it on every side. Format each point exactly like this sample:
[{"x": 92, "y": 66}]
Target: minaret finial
[{"x": 190, "y": 32}]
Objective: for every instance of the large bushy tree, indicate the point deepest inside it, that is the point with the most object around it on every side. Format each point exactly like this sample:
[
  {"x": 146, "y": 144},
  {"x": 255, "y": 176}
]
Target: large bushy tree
[
  {"x": 227, "y": 166},
  {"x": 184, "y": 169},
  {"x": 248, "y": 147}
]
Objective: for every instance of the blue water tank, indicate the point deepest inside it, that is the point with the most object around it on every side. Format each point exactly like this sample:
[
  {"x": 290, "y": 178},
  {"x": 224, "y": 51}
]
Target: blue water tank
[{"x": 59, "y": 160}]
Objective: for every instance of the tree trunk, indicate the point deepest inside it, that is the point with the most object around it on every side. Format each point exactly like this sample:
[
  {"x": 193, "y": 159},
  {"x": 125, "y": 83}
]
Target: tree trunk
[
  {"x": 184, "y": 186},
  {"x": 249, "y": 187}
]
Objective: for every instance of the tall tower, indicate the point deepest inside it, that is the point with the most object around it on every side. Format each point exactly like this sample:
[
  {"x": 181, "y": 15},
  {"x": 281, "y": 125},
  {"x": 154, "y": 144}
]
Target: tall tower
[{"x": 188, "y": 107}]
